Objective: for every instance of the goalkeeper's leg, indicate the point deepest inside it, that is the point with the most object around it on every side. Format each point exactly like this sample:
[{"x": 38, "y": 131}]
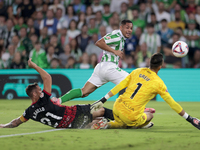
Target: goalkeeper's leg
[
  {"x": 103, "y": 124},
  {"x": 148, "y": 123}
]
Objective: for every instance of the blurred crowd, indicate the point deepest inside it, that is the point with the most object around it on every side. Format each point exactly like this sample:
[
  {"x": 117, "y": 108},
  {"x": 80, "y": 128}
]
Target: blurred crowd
[{"x": 62, "y": 33}]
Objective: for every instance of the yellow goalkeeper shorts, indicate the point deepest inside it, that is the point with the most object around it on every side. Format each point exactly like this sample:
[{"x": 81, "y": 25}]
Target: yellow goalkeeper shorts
[{"x": 121, "y": 116}]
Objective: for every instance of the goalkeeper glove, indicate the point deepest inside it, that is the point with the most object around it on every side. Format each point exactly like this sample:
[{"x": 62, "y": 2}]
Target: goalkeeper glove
[
  {"x": 194, "y": 121},
  {"x": 97, "y": 105}
]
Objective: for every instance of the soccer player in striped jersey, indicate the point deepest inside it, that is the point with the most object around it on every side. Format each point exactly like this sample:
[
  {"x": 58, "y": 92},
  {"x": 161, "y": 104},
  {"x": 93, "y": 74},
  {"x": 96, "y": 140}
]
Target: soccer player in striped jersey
[
  {"x": 141, "y": 86},
  {"x": 107, "y": 70}
]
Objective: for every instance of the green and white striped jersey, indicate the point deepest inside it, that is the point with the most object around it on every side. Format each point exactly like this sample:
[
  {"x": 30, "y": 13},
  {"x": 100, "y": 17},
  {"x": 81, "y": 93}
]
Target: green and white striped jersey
[
  {"x": 116, "y": 41},
  {"x": 192, "y": 43}
]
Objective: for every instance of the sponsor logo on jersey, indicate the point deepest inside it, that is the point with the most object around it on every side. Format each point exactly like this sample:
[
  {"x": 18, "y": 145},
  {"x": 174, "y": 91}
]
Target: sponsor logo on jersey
[
  {"x": 128, "y": 106},
  {"x": 68, "y": 118},
  {"x": 42, "y": 95},
  {"x": 108, "y": 38},
  {"x": 196, "y": 121},
  {"x": 24, "y": 114}
]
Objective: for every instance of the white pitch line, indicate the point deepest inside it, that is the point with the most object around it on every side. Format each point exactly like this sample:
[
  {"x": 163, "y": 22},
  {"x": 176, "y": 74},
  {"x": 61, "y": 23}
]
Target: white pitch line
[{"x": 11, "y": 135}]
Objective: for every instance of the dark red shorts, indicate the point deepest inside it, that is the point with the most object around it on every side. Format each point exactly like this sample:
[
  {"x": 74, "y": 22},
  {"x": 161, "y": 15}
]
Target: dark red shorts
[
  {"x": 77, "y": 116},
  {"x": 68, "y": 117}
]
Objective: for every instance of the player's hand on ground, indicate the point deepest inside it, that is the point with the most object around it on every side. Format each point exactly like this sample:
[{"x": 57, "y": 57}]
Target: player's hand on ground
[
  {"x": 119, "y": 53},
  {"x": 95, "y": 106},
  {"x": 1, "y": 125},
  {"x": 194, "y": 121},
  {"x": 31, "y": 64}
]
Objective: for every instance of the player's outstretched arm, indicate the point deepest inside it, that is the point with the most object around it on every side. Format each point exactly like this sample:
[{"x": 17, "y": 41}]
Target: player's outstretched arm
[
  {"x": 176, "y": 107},
  {"x": 47, "y": 80},
  {"x": 102, "y": 44},
  {"x": 194, "y": 121},
  {"x": 98, "y": 104},
  {"x": 14, "y": 123}
]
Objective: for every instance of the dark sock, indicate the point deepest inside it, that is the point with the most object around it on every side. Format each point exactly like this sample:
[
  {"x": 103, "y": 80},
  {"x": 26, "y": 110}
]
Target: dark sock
[{"x": 108, "y": 114}]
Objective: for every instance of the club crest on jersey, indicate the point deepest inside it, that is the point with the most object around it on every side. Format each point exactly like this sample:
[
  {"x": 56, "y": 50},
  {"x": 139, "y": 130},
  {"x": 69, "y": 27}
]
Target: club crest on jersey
[
  {"x": 196, "y": 121},
  {"x": 166, "y": 90},
  {"x": 42, "y": 95},
  {"x": 108, "y": 38}
]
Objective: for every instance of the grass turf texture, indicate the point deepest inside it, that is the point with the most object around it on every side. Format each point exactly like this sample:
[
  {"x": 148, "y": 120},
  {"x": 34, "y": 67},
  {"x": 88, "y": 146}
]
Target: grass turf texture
[{"x": 170, "y": 131}]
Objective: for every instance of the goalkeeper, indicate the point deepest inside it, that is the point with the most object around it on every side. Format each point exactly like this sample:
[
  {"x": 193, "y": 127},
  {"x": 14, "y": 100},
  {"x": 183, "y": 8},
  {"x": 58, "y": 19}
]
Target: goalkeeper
[{"x": 141, "y": 86}]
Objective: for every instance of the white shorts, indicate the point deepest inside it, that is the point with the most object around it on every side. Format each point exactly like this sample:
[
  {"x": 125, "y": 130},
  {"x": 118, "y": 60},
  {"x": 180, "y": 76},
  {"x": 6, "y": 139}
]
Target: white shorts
[{"x": 107, "y": 72}]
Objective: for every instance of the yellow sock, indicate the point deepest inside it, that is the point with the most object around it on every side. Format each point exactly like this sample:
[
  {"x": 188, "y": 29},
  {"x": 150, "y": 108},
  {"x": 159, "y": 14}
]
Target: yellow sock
[{"x": 116, "y": 125}]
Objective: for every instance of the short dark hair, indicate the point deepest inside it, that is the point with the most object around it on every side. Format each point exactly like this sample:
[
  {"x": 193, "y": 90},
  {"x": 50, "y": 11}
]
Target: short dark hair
[
  {"x": 37, "y": 43},
  {"x": 179, "y": 28},
  {"x": 150, "y": 25},
  {"x": 164, "y": 20},
  {"x": 176, "y": 34},
  {"x": 106, "y": 5},
  {"x": 156, "y": 60},
  {"x": 55, "y": 59},
  {"x": 23, "y": 28},
  {"x": 123, "y": 22},
  {"x": 30, "y": 88}
]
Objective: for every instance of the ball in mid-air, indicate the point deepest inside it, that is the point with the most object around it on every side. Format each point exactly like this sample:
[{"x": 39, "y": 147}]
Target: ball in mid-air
[{"x": 180, "y": 49}]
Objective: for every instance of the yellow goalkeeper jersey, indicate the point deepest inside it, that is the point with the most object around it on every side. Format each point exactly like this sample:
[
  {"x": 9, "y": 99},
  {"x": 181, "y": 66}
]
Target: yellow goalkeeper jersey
[{"x": 141, "y": 86}]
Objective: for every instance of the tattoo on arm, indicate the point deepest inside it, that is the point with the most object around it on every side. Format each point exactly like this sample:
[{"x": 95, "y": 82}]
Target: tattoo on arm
[
  {"x": 14, "y": 123},
  {"x": 8, "y": 125}
]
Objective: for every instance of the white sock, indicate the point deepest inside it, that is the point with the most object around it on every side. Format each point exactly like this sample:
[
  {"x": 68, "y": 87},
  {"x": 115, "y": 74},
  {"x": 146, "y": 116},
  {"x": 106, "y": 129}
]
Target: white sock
[{"x": 185, "y": 115}]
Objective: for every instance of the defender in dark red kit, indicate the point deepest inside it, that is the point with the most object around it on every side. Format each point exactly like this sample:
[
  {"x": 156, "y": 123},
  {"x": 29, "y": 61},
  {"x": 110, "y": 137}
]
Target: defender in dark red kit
[{"x": 47, "y": 112}]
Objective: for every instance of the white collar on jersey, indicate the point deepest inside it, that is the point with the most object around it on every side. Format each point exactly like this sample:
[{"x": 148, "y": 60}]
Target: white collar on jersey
[{"x": 122, "y": 34}]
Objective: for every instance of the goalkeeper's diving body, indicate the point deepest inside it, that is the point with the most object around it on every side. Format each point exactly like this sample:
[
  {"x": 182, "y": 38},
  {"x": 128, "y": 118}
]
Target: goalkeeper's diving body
[{"x": 141, "y": 85}]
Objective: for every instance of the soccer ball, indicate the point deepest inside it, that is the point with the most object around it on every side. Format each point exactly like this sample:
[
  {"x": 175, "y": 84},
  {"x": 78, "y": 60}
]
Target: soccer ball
[{"x": 180, "y": 49}]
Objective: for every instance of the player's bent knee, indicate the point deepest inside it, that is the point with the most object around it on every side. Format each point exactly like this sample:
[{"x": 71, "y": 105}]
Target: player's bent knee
[
  {"x": 85, "y": 95},
  {"x": 102, "y": 111},
  {"x": 85, "y": 92},
  {"x": 149, "y": 116},
  {"x": 98, "y": 113}
]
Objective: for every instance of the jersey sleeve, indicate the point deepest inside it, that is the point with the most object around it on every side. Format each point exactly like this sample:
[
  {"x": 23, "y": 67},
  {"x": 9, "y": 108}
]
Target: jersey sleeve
[
  {"x": 25, "y": 117},
  {"x": 45, "y": 96},
  {"x": 112, "y": 39},
  {"x": 158, "y": 40},
  {"x": 167, "y": 97}
]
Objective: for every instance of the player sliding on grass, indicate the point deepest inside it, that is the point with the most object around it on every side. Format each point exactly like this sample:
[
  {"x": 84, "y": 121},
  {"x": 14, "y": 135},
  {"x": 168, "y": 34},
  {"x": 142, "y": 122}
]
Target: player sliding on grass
[
  {"x": 141, "y": 86},
  {"x": 45, "y": 111},
  {"x": 107, "y": 70}
]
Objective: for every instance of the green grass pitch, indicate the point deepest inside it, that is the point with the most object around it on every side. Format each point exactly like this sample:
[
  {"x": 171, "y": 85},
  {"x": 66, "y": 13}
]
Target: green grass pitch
[{"x": 170, "y": 131}]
